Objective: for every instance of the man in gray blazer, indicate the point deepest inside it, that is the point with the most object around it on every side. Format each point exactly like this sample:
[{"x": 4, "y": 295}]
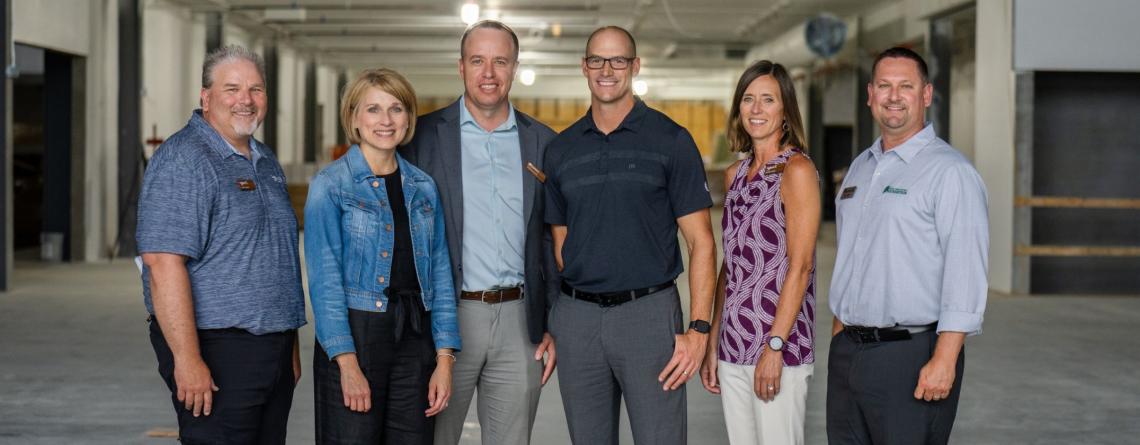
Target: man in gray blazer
[{"x": 486, "y": 159}]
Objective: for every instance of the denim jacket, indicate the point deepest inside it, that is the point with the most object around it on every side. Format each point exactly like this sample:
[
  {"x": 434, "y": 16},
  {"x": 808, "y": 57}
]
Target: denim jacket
[{"x": 347, "y": 223}]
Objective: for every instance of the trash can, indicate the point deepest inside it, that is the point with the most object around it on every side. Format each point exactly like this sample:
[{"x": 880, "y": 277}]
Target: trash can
[{"x": 51, "y": 247}]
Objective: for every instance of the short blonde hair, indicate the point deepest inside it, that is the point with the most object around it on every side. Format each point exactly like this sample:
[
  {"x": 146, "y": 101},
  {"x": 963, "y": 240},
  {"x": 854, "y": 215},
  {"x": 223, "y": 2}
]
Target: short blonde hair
[{"x": 388, "y": 81}]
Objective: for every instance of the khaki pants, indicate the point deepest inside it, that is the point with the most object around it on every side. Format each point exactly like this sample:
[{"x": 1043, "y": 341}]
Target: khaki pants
[{"x": 753, "y": 421}]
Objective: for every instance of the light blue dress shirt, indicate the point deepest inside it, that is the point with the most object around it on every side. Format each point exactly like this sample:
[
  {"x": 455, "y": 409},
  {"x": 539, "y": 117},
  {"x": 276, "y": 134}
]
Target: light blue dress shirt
[
  {"x": 913, "y": 238},
  {"x": 493, "y": 228}
]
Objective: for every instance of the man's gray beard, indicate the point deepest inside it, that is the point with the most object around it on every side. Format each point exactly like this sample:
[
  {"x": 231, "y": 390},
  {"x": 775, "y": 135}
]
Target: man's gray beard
[{"x": 241, "y": 131}]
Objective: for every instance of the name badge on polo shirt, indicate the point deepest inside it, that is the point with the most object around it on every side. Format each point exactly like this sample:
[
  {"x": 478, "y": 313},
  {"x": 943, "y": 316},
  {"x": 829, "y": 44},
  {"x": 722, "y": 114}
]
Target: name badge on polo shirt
[
  {"x": 246, "y": 185},
  {"x": 894, "y": 190},
  {"x": 848, "y": 193},
  {"x": 775, "y": 168}
]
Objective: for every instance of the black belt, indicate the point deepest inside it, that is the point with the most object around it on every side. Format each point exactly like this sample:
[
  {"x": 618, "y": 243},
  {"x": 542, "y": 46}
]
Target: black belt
[
  {"x": 864, "y": 334},
  {"x": 610, "y": 299}
]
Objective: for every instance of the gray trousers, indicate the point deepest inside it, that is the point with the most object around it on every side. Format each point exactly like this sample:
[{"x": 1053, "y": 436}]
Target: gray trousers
[
  {"x": 498, "y": 359},
  {"x": 605, "y": 353}
]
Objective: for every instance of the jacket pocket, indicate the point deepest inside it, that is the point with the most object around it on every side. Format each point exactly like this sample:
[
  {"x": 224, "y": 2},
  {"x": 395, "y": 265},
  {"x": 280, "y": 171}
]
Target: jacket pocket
[{"x": 361, "y": 220}]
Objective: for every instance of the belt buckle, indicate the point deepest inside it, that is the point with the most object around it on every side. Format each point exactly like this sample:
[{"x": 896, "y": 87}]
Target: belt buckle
[
  {"x": 483, "y": 295},
  {"x": 606, "y": 300},
  {"x": 868, "y": 335}
]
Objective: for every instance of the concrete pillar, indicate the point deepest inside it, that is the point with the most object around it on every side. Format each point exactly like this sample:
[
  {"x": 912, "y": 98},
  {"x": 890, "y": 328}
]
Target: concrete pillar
[{"x": 994, "y": 133}]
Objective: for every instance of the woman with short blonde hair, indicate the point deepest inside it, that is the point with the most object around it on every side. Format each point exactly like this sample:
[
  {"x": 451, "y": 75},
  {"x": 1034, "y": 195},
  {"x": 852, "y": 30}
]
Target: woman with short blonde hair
[{"x": 379, "y": 278}]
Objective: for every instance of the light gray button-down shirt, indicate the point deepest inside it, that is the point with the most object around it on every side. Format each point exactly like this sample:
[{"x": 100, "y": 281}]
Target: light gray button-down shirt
[
  {"x": 913, "y": 238},
  {"x": 493, "y": 228}
]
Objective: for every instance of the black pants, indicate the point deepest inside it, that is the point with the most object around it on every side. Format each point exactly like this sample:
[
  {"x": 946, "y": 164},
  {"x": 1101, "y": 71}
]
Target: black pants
[
  {"x": 398, "y": 373},
  {"x": 870, "y": 393},
  {"x": 254, "y": 375}
]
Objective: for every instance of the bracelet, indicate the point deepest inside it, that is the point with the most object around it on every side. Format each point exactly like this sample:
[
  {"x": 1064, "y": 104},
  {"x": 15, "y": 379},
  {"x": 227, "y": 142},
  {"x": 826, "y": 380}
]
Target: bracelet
[{"x": 445, "y": 354}]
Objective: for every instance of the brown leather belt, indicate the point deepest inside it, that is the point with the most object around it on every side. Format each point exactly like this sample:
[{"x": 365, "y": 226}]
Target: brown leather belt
[{"x": 493, "y": 296}]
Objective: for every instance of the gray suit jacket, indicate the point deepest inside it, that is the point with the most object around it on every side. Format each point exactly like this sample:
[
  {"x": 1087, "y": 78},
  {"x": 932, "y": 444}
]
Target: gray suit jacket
[{"x": 435, "y": 150}]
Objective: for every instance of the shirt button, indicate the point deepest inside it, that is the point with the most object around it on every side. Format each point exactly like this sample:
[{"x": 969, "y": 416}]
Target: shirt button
[
  {"x": 379, "y": 305},
  {"x": 384, "y": 254},
  {"x": 381, "y": 280},
  {"x": 375, "y": 184}
]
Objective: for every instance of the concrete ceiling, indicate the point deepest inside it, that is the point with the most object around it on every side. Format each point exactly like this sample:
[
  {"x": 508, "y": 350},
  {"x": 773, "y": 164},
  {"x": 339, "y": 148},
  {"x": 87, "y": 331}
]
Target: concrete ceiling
[{"x": 676, "y": 38}]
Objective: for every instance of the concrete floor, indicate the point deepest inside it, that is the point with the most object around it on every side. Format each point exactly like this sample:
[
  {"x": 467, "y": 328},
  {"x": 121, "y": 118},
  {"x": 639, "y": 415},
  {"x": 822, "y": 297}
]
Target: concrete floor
[{"x": 76, "y": 367}]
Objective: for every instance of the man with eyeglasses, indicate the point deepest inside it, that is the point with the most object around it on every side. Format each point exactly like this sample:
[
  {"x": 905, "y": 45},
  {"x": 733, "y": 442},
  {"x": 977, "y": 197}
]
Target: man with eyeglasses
[{"x": 620, "y": 181}]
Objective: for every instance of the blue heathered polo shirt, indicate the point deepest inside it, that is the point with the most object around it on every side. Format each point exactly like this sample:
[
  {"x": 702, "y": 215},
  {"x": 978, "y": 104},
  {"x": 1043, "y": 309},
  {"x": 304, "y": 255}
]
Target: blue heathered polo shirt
[
  {"x": 235, "y": 224},
  {"x": 620, "y": 196}
]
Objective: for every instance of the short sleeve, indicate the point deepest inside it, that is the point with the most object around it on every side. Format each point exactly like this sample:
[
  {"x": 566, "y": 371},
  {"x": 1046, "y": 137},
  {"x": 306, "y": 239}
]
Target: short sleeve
[
  {"x": 688, "y": 186},
  {"x": 175, "y": 205}
]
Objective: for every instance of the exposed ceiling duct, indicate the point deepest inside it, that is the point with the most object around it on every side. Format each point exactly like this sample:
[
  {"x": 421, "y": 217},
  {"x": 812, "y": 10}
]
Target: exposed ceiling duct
[{"x": 807, "y": 42}]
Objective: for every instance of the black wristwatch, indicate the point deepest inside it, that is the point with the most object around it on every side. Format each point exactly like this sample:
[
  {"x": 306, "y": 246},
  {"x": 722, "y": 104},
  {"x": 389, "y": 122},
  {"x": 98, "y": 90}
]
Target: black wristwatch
[{"x": 700, "y": 326}]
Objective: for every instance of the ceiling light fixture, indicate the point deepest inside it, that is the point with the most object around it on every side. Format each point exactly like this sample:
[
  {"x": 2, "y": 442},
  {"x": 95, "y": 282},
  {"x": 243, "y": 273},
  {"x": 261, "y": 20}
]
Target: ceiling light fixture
[
  {"x": 526, "y": 76},
  {"x": 469, "y": 13},
  {"x": 640, "y": 87}
]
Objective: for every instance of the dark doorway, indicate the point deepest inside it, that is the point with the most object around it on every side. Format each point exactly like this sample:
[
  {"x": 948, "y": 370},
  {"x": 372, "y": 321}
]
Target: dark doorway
[
  {"x": 1084, "y": 146},
  {"x": 836, "y": 158},
  {"x": 46, "y": 156}
]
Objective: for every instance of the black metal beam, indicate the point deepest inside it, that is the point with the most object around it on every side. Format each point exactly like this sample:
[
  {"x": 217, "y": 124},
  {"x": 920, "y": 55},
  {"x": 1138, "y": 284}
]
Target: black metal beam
[
  {"x": 938, "y": 53},
  {"x": 214, "y": 31},
  {"x": 311, "y": 143},
  {"x": 6, "y": 151},
  {"x": 341, "y": 83},
  {"x": 864, "y": 121},
  {"x": 271, "y": 70},
  {"x": 130, "y": 143},
  {"x": 55, "y": 208}
]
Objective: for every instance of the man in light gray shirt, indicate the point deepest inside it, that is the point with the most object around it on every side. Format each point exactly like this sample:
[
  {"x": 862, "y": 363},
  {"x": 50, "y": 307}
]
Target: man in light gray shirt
[{"x": 910, "y": 275}]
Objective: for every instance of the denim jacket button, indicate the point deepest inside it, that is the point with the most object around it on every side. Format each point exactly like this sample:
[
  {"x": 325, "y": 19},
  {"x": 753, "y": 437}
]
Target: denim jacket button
[
  {"x": 384, "y": 254},
  {"x": 388, "y": 227},
  {"x": 375, "y": 184},
  {"x": 379, "y": 305},
  {"x": 380, "y": 279}
]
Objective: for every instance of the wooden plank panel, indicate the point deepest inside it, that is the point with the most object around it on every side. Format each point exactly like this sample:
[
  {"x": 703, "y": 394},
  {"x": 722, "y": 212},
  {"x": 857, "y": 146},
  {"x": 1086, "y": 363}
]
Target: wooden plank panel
[
  {"x": 547, "y": 110},
  {"x": 701, "y": 128},
  {"x": 568, "y": 110},
  {"x": 1075, "y": 251},
  {"x": 1076, "y": 202},
  {"x": 527, "y": 106}
]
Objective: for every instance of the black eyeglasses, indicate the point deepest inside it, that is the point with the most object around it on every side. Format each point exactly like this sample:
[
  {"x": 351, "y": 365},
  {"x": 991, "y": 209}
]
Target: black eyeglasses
[{"x": 617, "y": 63}]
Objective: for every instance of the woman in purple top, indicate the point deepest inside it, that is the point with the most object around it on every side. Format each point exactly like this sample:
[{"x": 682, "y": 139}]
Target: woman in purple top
[{"x": 761, "y": 356}]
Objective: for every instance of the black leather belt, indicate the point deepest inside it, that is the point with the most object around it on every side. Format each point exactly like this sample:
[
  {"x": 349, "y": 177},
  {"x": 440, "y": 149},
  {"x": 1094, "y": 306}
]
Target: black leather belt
[
  {"x": 863, "y": 334},
  {"x": 610, "y": 299}
]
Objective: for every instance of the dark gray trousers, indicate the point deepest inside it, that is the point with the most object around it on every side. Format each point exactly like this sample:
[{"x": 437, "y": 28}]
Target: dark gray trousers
[
  {"x": 605, "y": 353},
  {"x": 870, "y": 393}
]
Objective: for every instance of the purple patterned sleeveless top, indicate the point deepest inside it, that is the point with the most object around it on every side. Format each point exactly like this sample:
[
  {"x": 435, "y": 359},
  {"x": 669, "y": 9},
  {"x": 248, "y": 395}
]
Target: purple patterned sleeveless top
[{"x": 756, "y": 259}]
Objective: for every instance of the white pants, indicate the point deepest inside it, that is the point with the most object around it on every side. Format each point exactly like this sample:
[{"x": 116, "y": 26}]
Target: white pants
[{"x": 754, "y": 421}]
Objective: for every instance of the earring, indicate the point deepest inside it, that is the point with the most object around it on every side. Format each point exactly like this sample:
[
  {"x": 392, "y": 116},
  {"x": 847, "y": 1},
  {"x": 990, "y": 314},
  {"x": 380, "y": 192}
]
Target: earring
[{"x": 785, "y": 126}]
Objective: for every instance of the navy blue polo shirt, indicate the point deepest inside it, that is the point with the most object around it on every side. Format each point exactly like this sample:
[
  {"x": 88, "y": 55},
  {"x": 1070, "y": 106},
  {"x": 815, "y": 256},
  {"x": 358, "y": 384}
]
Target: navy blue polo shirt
[
  {"x": 620, "y": 196},
  {"x": 233, "y": 221}
]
